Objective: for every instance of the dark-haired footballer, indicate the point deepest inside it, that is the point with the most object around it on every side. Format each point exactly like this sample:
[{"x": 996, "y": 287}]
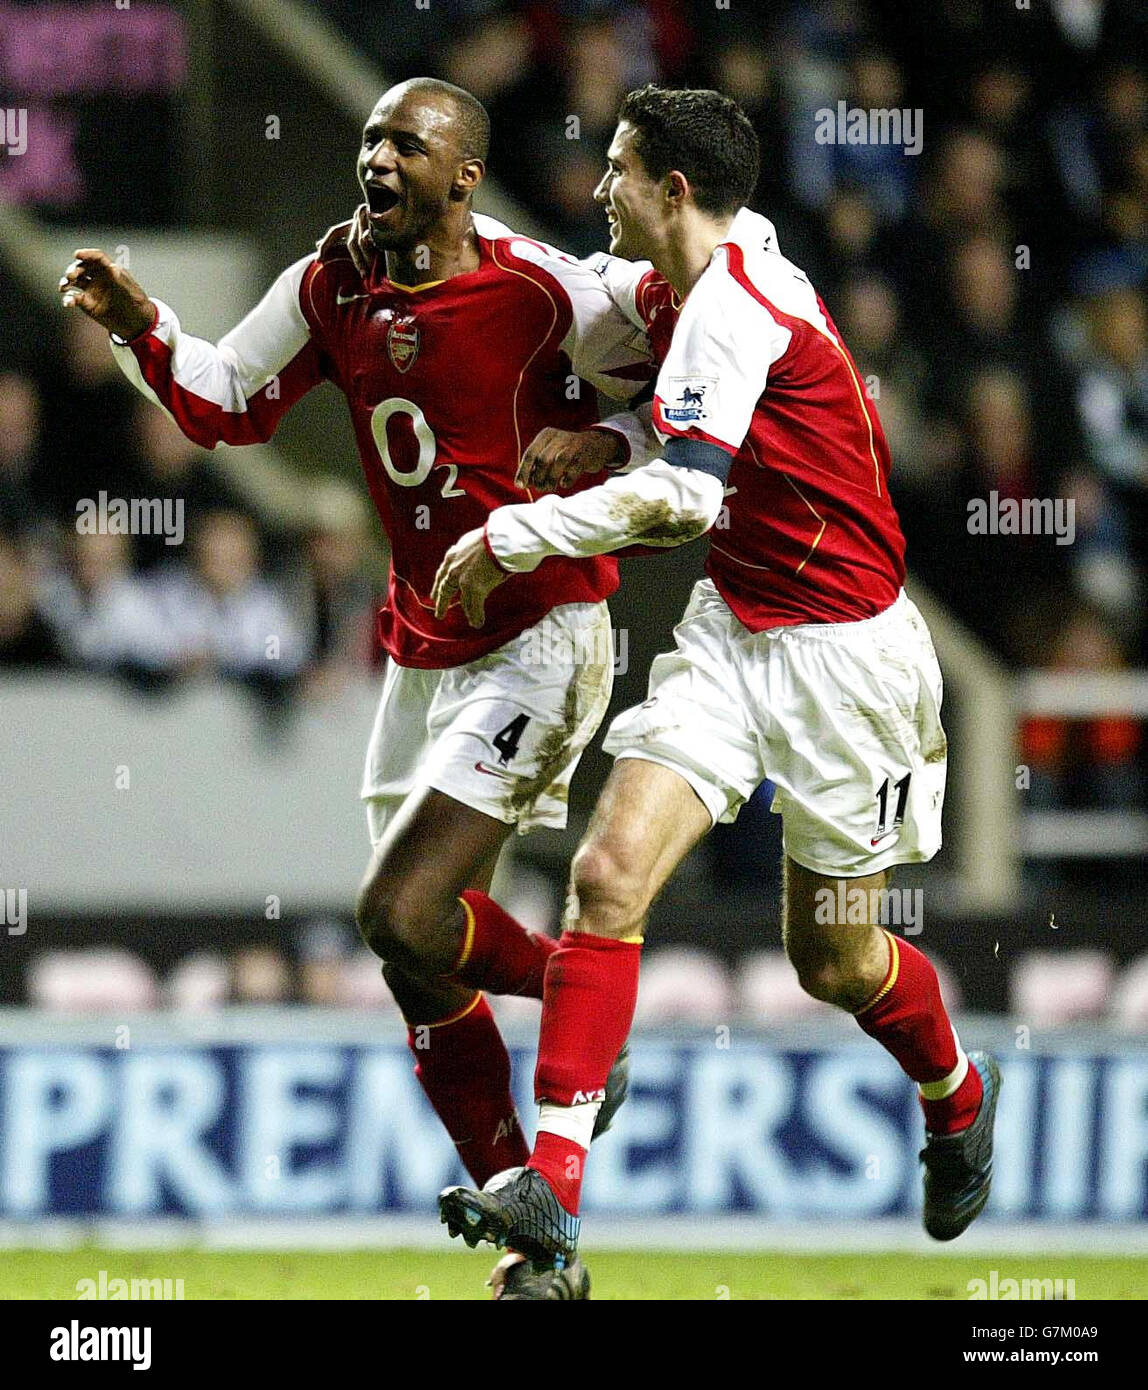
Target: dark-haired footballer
[
  {"x": 455, "y": 342},
  {"x": 800, "y": 660}
]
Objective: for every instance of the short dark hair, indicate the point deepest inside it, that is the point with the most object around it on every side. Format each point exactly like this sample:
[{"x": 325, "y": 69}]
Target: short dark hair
[
  {"x": 472, "y": 124},
  {"x": 704, "y": 135}
]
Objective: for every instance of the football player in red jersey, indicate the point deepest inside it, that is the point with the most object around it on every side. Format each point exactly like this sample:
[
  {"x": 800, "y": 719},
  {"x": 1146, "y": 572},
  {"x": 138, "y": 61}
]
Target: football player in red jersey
[
  {"x": 464, "y": 352},
  {"x": 800, "y": 660}
]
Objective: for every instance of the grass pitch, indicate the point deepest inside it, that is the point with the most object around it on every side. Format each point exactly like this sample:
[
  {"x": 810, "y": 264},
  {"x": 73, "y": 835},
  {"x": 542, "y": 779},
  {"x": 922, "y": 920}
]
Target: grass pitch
[{"x": 645, "y": 1275}]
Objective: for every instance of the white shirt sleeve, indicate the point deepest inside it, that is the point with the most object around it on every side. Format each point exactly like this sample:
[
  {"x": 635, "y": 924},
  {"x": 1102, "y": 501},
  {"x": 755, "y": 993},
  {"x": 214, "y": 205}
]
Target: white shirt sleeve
[
  {"x": 660, "y": 505},
  {"x": 623, "y": 280},
  {"x": 237, "y": 390},
  {"x": 725, "y": 342},
  {"x": 637, "y": 428}
]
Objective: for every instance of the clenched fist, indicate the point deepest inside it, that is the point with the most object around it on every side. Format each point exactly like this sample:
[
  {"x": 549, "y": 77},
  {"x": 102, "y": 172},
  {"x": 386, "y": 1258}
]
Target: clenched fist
[
  {"x": 107, "y": 293},
  {"x": 558, "y": 458}
]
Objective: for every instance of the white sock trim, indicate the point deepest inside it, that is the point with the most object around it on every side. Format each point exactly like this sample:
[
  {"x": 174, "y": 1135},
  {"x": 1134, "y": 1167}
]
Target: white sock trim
[
  {"x": 938, "y": 1090},
  {"x": 572, "y": 1122}
]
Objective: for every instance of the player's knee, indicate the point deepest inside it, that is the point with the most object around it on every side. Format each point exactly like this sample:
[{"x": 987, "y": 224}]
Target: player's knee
[
  {"x": 375, "y": 920},
  {"x": 829, "y": 977},
  {"x": 395, "y": 924},
  {"x": 611, "y": 898}
]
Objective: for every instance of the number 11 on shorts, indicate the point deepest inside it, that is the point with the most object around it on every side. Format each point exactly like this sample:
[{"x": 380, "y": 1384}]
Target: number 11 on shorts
[{"x": 902, "y": 790}]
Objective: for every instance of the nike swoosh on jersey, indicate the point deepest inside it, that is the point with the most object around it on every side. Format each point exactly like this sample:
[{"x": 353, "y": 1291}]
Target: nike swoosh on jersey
[
  {"x": 876, "y": 840},
  {"x": 492, "y": 772},
  {"x": 347, "y": 298}
]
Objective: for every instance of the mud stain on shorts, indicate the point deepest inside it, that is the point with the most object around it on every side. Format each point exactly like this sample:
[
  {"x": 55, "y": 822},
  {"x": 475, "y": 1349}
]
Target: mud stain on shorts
[
  {"x": 555, "y": 751},
  {"x": 936, "y": 751}
]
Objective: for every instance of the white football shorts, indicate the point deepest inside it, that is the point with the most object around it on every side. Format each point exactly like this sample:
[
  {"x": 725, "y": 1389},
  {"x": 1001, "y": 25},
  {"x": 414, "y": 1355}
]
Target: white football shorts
[
  {"x": 843, "y": 719},
  {"x": 503, "y": 733}
]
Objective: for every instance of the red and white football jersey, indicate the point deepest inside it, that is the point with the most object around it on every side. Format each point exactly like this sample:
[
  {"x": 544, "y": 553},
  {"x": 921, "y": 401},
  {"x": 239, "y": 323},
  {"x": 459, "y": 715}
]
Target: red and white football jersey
[
  {"x": 447, "y": 384},
  {"x": 753, "y": 363}
]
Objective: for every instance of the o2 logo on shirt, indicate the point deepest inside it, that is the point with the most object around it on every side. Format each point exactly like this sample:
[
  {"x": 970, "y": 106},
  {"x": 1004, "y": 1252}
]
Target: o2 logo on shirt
[{"x": 689, "y": 399}]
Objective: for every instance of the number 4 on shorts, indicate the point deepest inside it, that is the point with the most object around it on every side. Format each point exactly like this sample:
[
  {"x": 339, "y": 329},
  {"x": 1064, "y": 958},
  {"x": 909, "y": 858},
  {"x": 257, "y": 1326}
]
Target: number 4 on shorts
[{"x": 508, "y": 739}]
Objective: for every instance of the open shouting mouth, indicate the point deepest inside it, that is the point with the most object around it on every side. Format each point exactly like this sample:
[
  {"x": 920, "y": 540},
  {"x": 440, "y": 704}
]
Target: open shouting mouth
[{"x": 381, "y": 202}]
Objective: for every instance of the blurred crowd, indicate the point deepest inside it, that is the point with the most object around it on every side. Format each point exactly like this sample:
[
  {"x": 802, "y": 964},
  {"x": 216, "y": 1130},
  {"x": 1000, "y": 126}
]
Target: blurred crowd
[
  {"x": 209, "y": 589},
  {"x": 992, "y": 287},
  {"x": 325, "y": 966}
]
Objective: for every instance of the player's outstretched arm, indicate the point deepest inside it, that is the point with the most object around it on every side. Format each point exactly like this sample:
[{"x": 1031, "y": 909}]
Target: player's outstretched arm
[{"x": 233, "y": 392}]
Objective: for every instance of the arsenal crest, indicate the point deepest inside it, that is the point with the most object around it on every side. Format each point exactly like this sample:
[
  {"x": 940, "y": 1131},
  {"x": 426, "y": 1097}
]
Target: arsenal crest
[{"x": 403, "y": 342}]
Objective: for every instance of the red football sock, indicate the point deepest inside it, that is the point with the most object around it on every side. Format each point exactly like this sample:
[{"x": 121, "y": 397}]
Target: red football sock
[
  {"x": 464, "y": 1068},
  {"x": 498, "y": 954},
  {"x": 907, "y": 1017},
  {"x": 587, "y": 1009},
  {"x": 561, "y": 1162},
  {"x": 958, "y": 1111}
]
